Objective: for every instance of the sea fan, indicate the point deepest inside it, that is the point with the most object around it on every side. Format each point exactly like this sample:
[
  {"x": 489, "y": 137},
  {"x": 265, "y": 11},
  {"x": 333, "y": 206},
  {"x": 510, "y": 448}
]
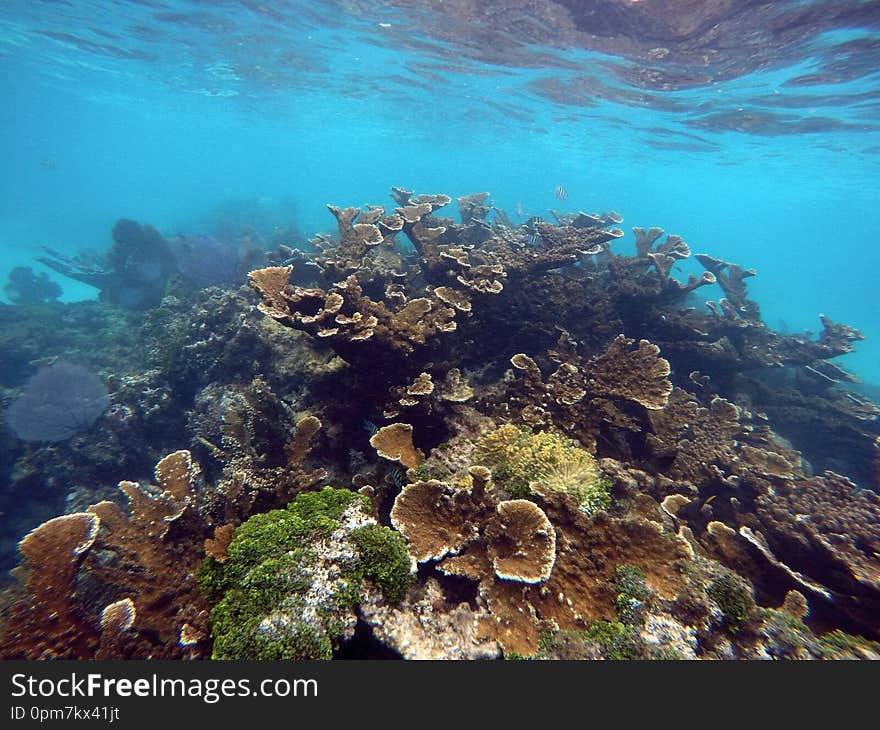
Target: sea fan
[
  {"x": 206, "y": 261},
  {"x": 57, "y": 402}
]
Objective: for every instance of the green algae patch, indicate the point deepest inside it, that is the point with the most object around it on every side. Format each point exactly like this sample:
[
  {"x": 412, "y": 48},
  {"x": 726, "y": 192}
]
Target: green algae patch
[
  {"x": 293, "y": 577},
  {"x": 632, "y": 592},
  {"x": 384, "y": 560},
  {"x": 523, "y": 462},
  {"x": 840, "y": 645},
  {"x": 734, "y": 598},
  {"x": 615, "y": 639}
]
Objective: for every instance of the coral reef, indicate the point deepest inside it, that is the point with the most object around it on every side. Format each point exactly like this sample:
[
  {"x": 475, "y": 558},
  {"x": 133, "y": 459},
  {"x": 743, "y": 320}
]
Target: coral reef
[
  {"x": 541, "y": 448},
  {"x": 23, "y": 286},
  {"x": 132, "y": 274}
]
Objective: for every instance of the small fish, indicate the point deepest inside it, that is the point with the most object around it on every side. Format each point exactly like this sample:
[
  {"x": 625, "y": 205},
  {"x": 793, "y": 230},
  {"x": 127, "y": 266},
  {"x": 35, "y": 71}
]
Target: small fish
[
  {"x": 709, "y": 501},
  {"x": 560, "y": 192},
  {"x": 48, "y": 163},
  {"x": 370, "y": 427},
  {"x": 398, "y": 478},
  {"x": 519, "y": 209}
]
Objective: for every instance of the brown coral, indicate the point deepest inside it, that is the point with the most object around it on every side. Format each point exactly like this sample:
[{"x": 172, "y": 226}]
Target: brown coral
[
  {"x": 474, "y": 207},
  {"x": 436, "y": 518},
  {"x": 731, "y": 277},
  {"x": 538, "y": 566},
  {"x": 298, "y": 446},
  {"x": 218, "y": 546},
  {"x": 827, "y": 528},
  {"x": 578, "y": 396},
  {"x": 521, "y": 542},
  {"x": 46, "y": 624},
  {"x": 394, "y": 442},
  {"x": 638, "y": 375},
  {"x": 359, "y": 329},
  {"x": 154, "y": 512}
]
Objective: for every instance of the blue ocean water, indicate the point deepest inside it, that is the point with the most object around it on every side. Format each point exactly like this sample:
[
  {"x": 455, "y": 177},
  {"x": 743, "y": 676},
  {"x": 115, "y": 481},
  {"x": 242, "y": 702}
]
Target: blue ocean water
[{"x": 751, "y": 129}]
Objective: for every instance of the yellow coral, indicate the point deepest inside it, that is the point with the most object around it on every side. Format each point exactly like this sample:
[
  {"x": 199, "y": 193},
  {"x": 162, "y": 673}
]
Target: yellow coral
[{"x": 523, "y": 462}]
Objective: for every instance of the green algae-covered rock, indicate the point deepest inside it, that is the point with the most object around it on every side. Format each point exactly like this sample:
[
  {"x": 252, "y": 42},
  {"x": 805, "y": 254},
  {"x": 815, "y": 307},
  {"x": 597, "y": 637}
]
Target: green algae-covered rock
[{"x": 293, "y": 576}]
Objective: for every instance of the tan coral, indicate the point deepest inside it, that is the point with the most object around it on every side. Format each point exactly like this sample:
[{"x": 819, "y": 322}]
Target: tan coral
[
  {"x": 152, "y": 511},
  {"x": 645, "y": 239},
  {"x": 136, "y": 556},
  {"x": 639, "y": 375},
  {"x": 697, "y": 438},
  {"x": 53, "y": 551},
  {"x": 521, "y": 542},
  {"x": 413, "y": 213},
  {"x": 401, "y": 196},
  {"x": 47, "y": 622},
  {"x": 394, "y": 442},
  {"x": 436, "y": 200},
  {"x": 672, "y": 503},
  {"x": 298, "y": 447},
  {"x": 422, "y": 385},
  {"x": 118, "y": 616},
  {"x": 454, "y": 298},
  {"x": 190, "y": 635},
  {"x": 272, "y": 284},
  {"x": 218, "y": 546},
  {"x": 460, "y": 527},
  {"x": 474, "y": 207},
  {"x": 358, "y": 328},
  {"x": 436, "y": 519},
  {"x": 457, "y": 255},
  {"x": 523, "y": 362},
  {"x": 355, "y": 238},
  {"x": 454, "y": 388},
  {"x": 830, "y": 527},
  {"x": 579, "y": 588}
]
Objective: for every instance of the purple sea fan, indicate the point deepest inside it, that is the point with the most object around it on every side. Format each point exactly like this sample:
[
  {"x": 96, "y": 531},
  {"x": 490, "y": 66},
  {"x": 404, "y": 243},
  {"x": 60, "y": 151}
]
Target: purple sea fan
[
  {"x": 57, "y": 402},
  {"x": 206, "y": 261}
]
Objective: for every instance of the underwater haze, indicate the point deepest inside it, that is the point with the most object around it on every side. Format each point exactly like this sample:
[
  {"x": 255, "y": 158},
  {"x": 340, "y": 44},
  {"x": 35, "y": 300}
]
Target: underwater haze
[
  {"x": 749, "y": 128},
  {"x": 440, "y": 329}
]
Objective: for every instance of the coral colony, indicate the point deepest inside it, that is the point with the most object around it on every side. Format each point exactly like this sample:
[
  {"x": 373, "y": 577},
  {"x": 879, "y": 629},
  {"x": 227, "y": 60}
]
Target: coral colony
[{"x": 424, "y": 437}]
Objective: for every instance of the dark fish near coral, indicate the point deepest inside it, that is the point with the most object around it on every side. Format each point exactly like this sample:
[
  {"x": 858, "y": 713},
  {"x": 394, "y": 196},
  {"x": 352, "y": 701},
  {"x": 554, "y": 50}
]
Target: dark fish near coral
[
  {"x": 370, "y": 427},
  {"x": 398, "y": 478},
  {"x": 560, "y": 192}
]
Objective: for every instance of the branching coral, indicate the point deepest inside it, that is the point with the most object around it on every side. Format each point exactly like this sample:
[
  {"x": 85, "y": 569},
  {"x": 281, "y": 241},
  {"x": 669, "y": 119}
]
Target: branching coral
[
  {"x": 360, "y": 330},
  {"x": 149, "y": 557},
  {"x": 579, "y": 395},
  {"x": 827, "y": 528},
  {"x": 638, "y": 375}
]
